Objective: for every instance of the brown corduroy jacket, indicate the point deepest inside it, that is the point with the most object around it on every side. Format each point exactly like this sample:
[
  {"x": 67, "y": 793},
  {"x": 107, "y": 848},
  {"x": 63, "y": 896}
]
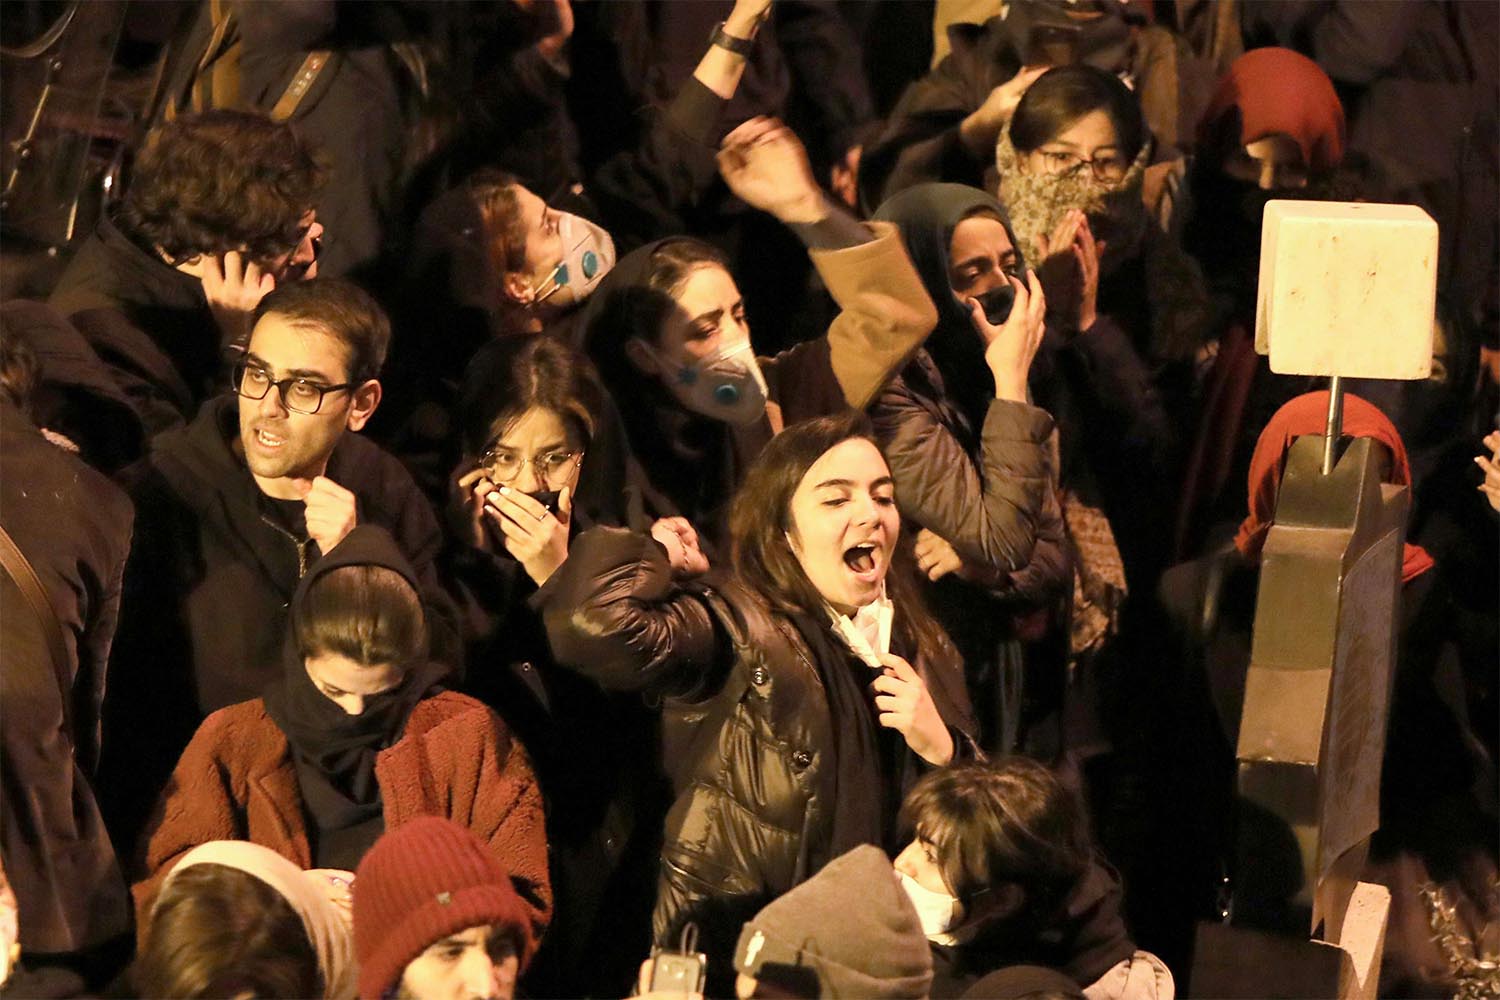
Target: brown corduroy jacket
[{"x": 236, "y": 781}]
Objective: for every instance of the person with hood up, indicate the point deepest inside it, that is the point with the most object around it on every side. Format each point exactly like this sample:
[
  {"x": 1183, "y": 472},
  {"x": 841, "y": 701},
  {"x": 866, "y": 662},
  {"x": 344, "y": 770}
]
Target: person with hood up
[
  {"x": 235, "y": 918},
  {"x": 849, "y": 931},
  {"x": 971, "y": 455},
  {"x": 357, "y": 738},
  {"x": 1273, "y": 129}
]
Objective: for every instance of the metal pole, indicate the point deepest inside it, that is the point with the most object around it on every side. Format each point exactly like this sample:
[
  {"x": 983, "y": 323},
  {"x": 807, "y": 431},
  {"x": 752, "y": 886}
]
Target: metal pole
[{"x": 1335, "y": 427}]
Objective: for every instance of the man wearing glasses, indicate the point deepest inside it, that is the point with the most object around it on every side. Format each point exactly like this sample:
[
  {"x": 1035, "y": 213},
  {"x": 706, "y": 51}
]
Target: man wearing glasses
[
  {"x": 233, "y": 508},
  {"x": 218, "y": 211}
]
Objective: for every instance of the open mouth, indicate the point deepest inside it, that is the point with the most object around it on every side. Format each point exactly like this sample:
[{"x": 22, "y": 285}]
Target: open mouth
[
  {"x": 268, "y": 440},
  {"x": 861, "y": 558}
]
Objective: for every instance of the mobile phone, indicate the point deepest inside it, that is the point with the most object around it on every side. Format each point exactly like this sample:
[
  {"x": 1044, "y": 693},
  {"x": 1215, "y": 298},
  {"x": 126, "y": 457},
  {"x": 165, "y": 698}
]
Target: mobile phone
[
  {"x": 1052, "y": 45},
  {"x": 678, "y": 972}
]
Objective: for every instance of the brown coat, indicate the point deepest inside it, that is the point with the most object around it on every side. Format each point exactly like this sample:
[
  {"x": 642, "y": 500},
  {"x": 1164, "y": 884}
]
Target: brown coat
[{"x": 236, "y": 781}]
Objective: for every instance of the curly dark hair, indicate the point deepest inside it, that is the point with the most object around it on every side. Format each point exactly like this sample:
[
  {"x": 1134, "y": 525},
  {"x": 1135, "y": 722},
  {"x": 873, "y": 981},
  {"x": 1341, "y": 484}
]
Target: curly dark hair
[{"x": 221, "y": 181}]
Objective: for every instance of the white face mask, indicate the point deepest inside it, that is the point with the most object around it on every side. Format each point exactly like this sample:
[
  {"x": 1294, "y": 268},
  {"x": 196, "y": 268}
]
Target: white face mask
[
  {"x": 938, "y": 911},
  {"x": 726, "y": 385},
  {"x": 588, "y": 255},
  {"x": 868, "y": 633}
]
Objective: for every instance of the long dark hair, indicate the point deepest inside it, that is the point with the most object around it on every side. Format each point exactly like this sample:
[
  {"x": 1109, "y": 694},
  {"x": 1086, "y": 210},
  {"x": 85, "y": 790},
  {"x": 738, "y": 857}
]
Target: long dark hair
[
  {"x": 636, "y": 299},
  {"x": 1061, "y": 96},
  {"x": 761, "y": 516}
]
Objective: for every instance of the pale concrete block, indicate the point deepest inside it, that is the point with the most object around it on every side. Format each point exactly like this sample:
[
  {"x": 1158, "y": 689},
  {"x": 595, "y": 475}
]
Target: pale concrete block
[
  {"x": 1347, "y": 288},
  {"x": 1363, "y": 939}
]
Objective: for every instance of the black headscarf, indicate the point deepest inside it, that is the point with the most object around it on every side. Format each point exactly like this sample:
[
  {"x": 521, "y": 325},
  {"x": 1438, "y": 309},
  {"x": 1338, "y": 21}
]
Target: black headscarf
[
  {"x": 334, "y": 752},
  {"x": 927, "y": 215}
]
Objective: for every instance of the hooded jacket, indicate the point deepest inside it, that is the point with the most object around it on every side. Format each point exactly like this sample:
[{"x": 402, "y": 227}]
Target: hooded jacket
[
  {"x": 237, "y": 779},
  {"x": 88, "y": 407},
  {"x": 327, "y": 928},
  {"x": 208, "y": 584}
]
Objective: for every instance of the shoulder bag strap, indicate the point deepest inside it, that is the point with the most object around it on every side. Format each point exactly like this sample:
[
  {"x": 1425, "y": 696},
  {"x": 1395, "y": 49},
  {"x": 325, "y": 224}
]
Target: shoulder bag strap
[{"x": 20, "y": 570}]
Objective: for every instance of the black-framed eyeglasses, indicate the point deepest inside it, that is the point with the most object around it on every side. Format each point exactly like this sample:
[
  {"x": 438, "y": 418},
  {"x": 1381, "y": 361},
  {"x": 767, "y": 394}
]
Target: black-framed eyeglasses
[
  {"x": 551, "y": 467},
  {"x": 299, "y": 394},
  {"x": 1109, "y": 167}
]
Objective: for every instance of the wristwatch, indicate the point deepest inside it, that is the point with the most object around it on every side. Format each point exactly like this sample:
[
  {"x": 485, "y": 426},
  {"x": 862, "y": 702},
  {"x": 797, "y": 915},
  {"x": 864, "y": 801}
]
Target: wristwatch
[{"x": 739, "y": 46}]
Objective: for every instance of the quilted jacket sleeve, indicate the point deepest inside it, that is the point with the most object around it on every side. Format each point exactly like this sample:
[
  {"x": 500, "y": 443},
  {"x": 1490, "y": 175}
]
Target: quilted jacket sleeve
[
  {"x": 613, "y": 613},
  {"x": 988, "y": 513}
]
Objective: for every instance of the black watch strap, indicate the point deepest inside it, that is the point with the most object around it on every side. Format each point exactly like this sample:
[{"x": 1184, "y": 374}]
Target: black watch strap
[{"x": 739, "y": 46}]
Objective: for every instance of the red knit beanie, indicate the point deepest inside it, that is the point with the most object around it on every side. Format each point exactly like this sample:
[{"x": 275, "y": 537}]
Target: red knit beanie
[{"x": 421, "y": 882}]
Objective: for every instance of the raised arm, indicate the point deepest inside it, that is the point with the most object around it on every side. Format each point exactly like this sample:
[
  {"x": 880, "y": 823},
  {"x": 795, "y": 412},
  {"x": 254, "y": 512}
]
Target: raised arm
[
  {"x": 648, "y": 192},
  {"x": 988, "y": 512},
  {"x": 884, "y": 310},
  {"x": 614, "y": 613}
]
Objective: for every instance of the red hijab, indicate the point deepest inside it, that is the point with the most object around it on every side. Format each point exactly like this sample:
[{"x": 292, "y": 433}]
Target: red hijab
[
  {"x": 1278, "y": 90},
  {"x": 1308, "y": 414}
]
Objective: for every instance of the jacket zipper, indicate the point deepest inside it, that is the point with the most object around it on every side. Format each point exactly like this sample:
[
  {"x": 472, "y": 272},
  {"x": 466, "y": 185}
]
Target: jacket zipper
[{"x": 301, "y": 545}]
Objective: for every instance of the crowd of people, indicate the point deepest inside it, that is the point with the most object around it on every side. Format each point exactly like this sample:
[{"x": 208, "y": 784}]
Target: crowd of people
[{"x": 421, "y": 583}]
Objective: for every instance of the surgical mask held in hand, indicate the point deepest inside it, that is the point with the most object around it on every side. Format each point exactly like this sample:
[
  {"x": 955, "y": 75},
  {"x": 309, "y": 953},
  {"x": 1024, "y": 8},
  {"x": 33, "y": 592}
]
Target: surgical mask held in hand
[
  {"x": 588, "y": 255},
  {"x": 726, "y": 385},
  {"x": 868, "y": 633},
  {"x": 937, "y": 911}
]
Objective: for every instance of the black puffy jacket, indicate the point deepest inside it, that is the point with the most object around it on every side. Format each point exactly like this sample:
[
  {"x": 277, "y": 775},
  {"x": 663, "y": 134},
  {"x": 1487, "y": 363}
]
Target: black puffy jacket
[{"x": 747, "y": 731}]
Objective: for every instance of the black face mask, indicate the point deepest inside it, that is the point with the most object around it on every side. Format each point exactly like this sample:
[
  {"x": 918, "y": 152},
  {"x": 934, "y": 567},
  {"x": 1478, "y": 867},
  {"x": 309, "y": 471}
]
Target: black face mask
[
  {"x": 997, "y": 303},
  {"x": 547, "y": 498}
]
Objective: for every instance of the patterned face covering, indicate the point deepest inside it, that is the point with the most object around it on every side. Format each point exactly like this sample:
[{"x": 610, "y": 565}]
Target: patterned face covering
[{"x": 1037, "y": 202}]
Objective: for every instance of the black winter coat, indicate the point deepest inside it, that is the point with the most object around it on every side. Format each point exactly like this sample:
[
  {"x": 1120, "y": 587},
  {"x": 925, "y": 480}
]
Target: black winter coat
[
  {"x": 747, "y": 728},
  {"x": 208, "y": 583},
  {"x": 148, "y": 322}
]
